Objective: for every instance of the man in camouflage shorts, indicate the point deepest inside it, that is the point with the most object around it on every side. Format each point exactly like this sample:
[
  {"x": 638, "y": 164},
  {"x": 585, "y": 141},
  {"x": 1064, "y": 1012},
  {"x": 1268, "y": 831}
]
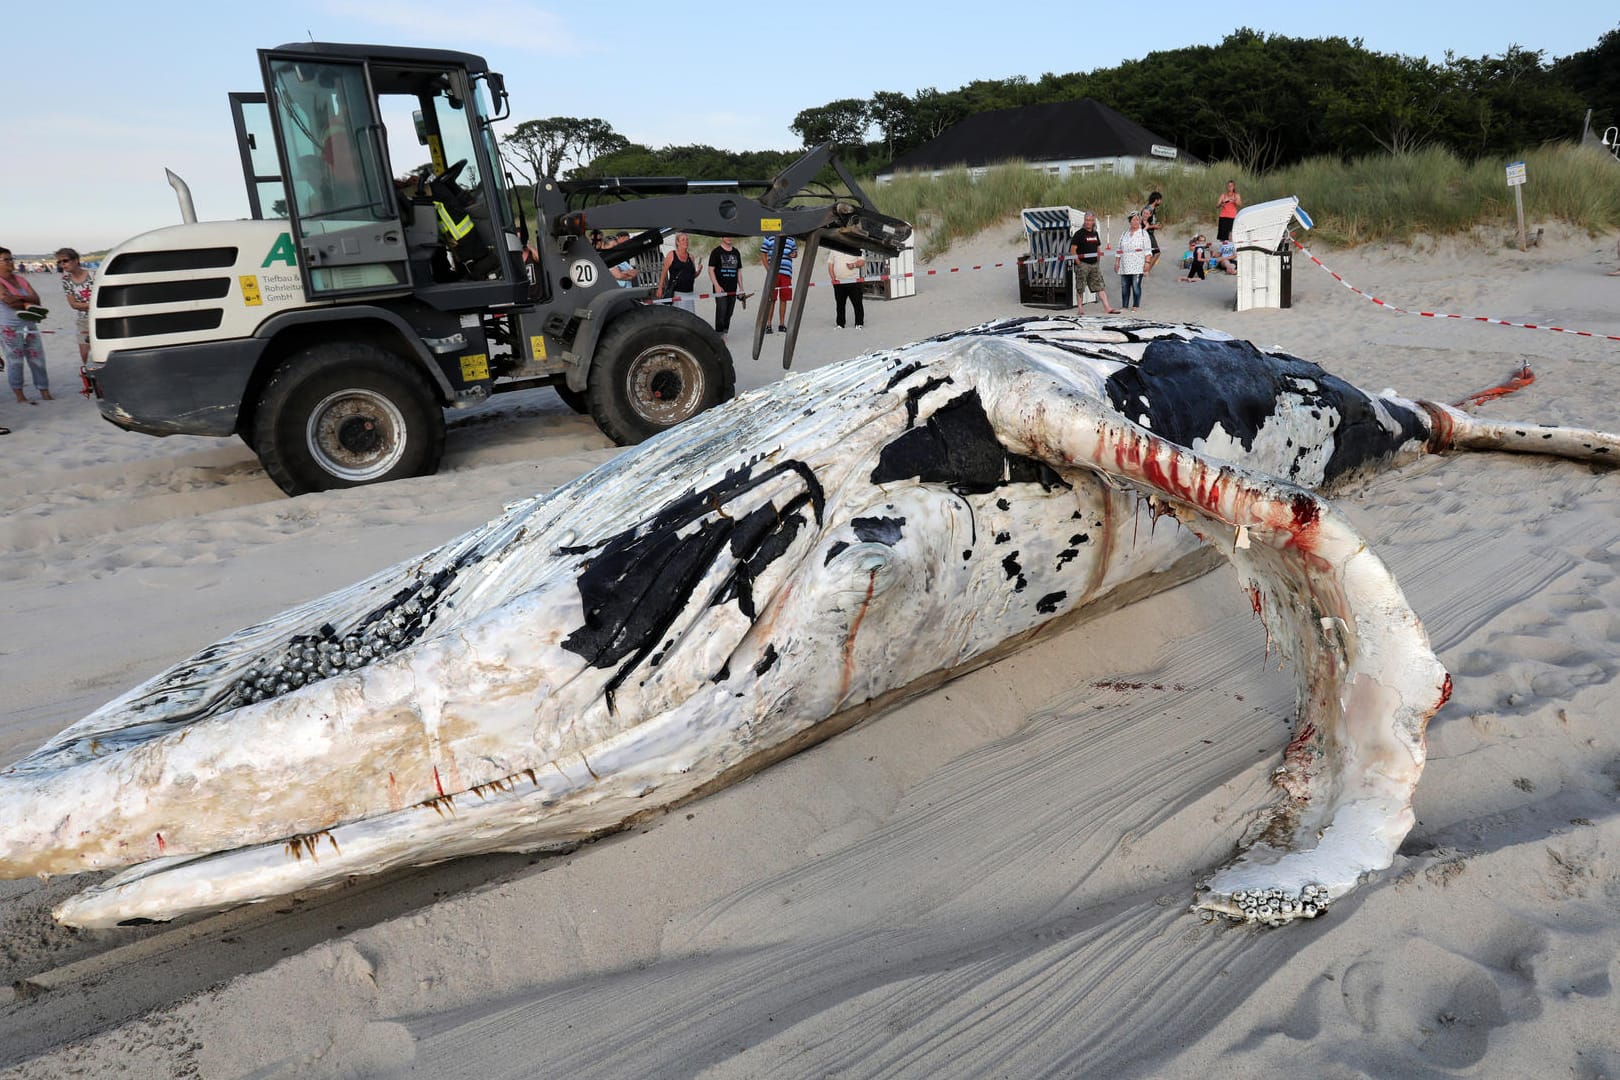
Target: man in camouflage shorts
[{"x": 1085, "y": 248}]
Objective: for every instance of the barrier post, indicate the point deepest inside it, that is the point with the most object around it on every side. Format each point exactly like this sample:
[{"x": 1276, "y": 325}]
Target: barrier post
[{"x": 1515, "y": 179}]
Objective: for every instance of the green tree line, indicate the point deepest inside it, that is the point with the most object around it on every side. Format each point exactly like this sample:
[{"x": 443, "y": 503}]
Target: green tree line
[
  {"x": 1260, "y": 100},
  {"x": 1266, "y": 100}
]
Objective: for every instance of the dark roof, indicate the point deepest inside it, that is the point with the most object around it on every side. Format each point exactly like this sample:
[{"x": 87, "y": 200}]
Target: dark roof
[
  {"x": 386, "y": 54},
  {"x": 1057, "y": 131}
]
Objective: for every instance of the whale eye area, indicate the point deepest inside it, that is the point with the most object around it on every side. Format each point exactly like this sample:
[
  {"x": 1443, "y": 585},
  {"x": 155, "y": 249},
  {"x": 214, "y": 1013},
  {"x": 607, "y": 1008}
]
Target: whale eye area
[
  {"x": 886, "y": 531},
  {"x": 859, "y": 570}
]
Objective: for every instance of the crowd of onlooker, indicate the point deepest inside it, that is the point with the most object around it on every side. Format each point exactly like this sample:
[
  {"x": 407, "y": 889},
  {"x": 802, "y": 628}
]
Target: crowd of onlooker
[
  {"x": 48, "y": 266},
  {"x": 1137, "y": 252},
  {"x": 22, "y": 350},
  {"x": 680, "y": 274}
]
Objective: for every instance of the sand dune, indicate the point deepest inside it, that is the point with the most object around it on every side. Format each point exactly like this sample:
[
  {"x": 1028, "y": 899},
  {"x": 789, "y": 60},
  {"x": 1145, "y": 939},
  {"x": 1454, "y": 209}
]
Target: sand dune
[{"x": 991, "y": 880}]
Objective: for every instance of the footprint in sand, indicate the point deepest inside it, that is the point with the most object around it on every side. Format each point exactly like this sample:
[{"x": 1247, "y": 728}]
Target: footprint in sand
[{"x": 1439, "y": 1005}]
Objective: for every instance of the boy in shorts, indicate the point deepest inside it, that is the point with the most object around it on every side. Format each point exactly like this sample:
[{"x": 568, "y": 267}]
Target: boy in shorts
[{"x": 784, "y": 277}]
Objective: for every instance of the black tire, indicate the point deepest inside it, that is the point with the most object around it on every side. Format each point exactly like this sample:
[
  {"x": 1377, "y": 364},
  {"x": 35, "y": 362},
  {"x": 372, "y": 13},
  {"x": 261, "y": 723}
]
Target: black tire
[
  {"x": 574, "y": 399},
  {"x": 655, "y": 367},
  {"x": 345, "y": 414}
]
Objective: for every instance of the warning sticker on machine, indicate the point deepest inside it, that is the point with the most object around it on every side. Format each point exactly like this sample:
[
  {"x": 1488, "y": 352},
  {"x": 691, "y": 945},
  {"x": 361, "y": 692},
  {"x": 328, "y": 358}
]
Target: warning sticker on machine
[
  {"x": 474, "y": 367},
  {"x": 537, "y": 346},
  {"x": 250, "y": 290}
]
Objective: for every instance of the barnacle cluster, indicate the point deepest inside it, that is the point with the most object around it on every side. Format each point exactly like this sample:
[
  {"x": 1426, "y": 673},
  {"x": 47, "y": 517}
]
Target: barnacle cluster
[
  {"x": 1275, "y": 907},
  {"x": 309, "y": 658}
]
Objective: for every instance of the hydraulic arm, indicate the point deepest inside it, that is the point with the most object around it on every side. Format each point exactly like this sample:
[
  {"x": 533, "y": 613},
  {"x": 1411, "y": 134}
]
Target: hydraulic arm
[{"x": 790, "y": 205}]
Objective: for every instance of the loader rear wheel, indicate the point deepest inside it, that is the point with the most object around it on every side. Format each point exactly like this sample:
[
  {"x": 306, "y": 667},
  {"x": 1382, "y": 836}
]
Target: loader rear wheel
[
  {"x": 655, "y": 367},
  {"x": 345, "y": 414}
]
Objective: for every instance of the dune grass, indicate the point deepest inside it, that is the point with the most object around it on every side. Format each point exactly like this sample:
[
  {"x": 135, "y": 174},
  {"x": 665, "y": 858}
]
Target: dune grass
[{"x": 1389, "y": 197}]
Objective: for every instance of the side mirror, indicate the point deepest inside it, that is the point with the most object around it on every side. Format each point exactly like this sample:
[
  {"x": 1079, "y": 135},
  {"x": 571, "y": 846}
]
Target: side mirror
[
  {"x": 421, "y": 126},
  {"x": 496, "y": 82}
]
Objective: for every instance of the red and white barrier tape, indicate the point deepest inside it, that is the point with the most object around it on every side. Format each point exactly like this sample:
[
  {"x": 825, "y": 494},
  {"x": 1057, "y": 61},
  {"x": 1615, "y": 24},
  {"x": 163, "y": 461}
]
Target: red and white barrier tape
[{"x": 1386, "y": 305}]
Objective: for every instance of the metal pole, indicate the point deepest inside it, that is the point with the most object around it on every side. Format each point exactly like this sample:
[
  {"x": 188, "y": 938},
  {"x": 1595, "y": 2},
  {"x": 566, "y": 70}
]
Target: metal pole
[{"x": 1518, "y": 204}]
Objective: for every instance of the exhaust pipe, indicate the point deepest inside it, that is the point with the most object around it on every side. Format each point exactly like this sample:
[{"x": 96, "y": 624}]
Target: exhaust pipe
[{"x": 188, "y": 210}]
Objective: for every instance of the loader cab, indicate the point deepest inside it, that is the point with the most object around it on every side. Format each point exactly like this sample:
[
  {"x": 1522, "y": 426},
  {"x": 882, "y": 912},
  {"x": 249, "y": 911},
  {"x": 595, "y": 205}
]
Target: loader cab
[{"x": 384, "y": 164}]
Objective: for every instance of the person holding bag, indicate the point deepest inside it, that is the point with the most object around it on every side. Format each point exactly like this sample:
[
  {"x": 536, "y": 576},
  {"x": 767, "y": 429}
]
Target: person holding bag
[{"x": 20, "y": 342}]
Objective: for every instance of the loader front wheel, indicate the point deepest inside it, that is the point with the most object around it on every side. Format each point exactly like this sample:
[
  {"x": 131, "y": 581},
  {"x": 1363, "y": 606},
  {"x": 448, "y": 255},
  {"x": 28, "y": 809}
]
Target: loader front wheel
[
  {"x": 345, "y": 414},
  {"x": 655, "y": 367}
]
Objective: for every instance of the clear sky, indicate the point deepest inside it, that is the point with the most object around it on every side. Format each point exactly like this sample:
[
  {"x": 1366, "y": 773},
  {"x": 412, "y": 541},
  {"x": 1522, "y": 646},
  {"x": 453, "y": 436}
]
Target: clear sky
[{"x": 108, "y": 94}]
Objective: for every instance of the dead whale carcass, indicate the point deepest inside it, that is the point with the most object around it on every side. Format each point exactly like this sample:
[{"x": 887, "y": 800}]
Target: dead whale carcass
[{"x": 752, "y": 581}]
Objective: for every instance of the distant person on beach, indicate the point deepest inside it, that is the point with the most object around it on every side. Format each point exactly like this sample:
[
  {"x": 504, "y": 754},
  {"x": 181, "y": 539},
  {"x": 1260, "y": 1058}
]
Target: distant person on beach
[
  {"x": 20, "y": 342},
  {"x": 1226, "y": 211},
  {"x": 623, "y": 271},
  {"x": 678, "y": 281},
  {"x": 846, "y": 272},
  {"x": 1226, "y": 257},
  {"x": 1199, "y": 250},
  {"x": 1131, "y": 262},
  {"x": 1085, "y": 248},
  {"x": 725, "y": 275},
  {"x": 1150, "y": 225},
  {"x": 784, "y": 279}
]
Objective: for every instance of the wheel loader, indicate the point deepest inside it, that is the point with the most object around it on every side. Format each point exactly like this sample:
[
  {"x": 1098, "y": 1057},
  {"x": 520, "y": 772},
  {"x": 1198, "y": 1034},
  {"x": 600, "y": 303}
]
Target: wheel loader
[{"x": 362, "y": 299}]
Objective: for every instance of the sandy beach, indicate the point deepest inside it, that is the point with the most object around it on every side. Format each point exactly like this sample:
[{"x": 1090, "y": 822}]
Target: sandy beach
[{"x": 990, "y": 881}]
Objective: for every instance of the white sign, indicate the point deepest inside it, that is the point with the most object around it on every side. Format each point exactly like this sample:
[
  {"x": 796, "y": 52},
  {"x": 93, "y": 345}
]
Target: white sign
[
  {"x": 1160, "y": 150},
  {"x": 1515, "y": 174},
  {"x": 583, "y": 271}
]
